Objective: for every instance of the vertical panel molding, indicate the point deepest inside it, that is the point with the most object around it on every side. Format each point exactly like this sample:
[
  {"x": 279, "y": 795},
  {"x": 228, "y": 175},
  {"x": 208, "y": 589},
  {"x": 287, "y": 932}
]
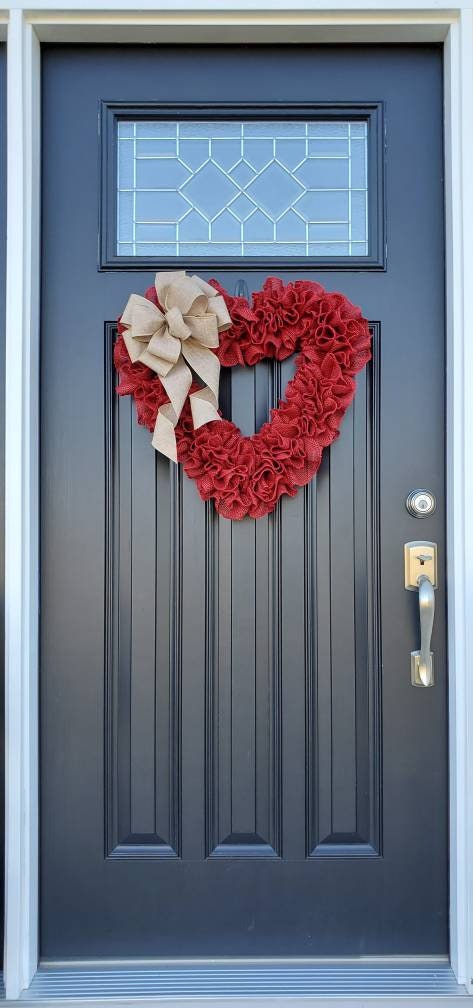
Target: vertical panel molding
[
  {"x": 157, "y": 748},
  {"x": 232, "y": 679},
  {"x": 357, "y": 721}
]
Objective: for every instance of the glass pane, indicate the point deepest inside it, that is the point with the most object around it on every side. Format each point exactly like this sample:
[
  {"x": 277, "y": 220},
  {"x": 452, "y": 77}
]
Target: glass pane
[{"x": 242, "y": 189}]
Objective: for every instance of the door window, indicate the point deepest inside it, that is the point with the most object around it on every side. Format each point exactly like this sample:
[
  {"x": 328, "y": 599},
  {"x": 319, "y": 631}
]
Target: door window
[
  {"x": 242, "y": 188},
  {"x": 297, "y": 185}
]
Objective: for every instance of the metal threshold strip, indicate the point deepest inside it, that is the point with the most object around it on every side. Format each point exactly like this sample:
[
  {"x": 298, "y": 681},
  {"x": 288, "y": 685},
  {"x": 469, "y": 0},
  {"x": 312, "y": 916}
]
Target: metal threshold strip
[{"x": 257, "y": 982}]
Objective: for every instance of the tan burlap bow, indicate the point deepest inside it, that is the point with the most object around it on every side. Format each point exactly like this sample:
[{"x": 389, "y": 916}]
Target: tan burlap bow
[{"x": 193, "y": 316}]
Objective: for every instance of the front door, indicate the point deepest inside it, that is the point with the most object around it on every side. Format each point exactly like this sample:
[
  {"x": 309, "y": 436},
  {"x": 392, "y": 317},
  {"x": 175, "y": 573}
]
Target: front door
[{"x": 233, "y": 759}]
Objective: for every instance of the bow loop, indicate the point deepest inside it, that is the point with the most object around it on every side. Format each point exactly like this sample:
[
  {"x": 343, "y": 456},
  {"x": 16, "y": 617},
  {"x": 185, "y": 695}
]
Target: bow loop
[{"x": 186, "y": 330}]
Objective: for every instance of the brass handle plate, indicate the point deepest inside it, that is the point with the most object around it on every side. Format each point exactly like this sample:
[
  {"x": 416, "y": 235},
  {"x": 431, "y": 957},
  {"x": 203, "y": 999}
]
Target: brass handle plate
[{"x": 420, "y": 560}]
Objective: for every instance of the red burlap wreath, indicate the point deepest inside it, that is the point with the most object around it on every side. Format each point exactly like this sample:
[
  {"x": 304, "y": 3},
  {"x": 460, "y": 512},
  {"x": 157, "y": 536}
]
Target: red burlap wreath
[{"x": 248, "y": 475}]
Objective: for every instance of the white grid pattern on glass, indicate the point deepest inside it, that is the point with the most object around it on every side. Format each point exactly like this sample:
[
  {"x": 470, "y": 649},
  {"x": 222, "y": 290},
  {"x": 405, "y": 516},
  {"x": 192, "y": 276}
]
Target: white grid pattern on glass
[{"x": 242, "y": 189}]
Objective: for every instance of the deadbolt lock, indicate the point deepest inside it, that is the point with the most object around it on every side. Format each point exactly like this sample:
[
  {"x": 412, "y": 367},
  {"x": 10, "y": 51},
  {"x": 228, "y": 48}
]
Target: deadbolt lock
[{"x": 421, "y": 503}]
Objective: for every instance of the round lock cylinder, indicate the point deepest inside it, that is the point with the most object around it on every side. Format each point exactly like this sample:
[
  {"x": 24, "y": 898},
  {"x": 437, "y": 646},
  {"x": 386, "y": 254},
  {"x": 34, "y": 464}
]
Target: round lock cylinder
[{"x": 421, "y": 503}]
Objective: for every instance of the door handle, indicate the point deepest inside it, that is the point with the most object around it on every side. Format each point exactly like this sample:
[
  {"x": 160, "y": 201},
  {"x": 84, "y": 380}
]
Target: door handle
[
  {"x": 422, "y": 668},
  {"x": 420, "y": 569}
]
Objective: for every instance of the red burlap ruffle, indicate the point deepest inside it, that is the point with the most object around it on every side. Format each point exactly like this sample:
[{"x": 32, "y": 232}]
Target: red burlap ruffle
[{"x": 248, "y": 475}]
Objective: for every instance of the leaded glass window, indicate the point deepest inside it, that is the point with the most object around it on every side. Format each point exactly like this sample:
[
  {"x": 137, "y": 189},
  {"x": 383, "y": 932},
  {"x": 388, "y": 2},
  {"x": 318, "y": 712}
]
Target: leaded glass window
[{"x": 242, "y": 189}]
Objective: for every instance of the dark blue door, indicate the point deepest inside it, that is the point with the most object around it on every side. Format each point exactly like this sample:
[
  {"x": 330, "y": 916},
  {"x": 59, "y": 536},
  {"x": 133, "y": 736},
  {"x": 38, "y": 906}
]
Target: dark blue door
[{"x": 233, "y": 758}]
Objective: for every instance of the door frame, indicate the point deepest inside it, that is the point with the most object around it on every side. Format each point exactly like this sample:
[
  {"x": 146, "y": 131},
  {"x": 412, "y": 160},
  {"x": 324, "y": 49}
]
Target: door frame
[{"x": 218, "y": 21}]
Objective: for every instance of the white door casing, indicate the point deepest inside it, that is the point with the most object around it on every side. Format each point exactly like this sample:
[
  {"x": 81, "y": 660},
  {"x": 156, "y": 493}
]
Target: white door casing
[{"x": 218, "y": 22}]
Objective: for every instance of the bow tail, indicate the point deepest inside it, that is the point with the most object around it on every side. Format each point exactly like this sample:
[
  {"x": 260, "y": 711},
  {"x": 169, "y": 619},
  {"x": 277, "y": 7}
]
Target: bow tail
[
  {"x": 204, "y": 402},
  {"x": 177, "y": 384},
  {"x": 204, "y": 407}
]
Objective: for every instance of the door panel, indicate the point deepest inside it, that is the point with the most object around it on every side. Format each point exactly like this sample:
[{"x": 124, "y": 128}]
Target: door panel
[
  {"x": 271, "y": 626},
  {"x": 233, "y": 760}
]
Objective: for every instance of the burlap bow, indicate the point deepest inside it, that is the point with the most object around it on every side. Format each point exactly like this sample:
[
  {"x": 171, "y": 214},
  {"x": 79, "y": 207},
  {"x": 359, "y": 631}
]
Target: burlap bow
[{"x": 193, "y": 316}]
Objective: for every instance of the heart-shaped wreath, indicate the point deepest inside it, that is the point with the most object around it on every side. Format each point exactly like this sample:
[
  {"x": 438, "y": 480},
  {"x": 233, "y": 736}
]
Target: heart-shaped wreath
[{"x": 248, "y": 475}]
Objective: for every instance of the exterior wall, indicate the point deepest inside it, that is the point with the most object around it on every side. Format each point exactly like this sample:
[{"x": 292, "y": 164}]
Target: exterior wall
[{"x": 29, "y": 23}]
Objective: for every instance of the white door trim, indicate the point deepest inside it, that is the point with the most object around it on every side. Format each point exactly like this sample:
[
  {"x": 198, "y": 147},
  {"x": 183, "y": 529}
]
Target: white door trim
[
  {"x": 21, "y": 505},
  {"x": 459, "y": 260},
  {"x": 221, "y": 21}
]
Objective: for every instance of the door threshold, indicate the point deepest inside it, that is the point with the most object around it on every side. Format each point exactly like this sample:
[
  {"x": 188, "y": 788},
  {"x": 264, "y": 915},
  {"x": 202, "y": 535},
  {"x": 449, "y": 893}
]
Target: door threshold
[{"x": 255, "y": 982}]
